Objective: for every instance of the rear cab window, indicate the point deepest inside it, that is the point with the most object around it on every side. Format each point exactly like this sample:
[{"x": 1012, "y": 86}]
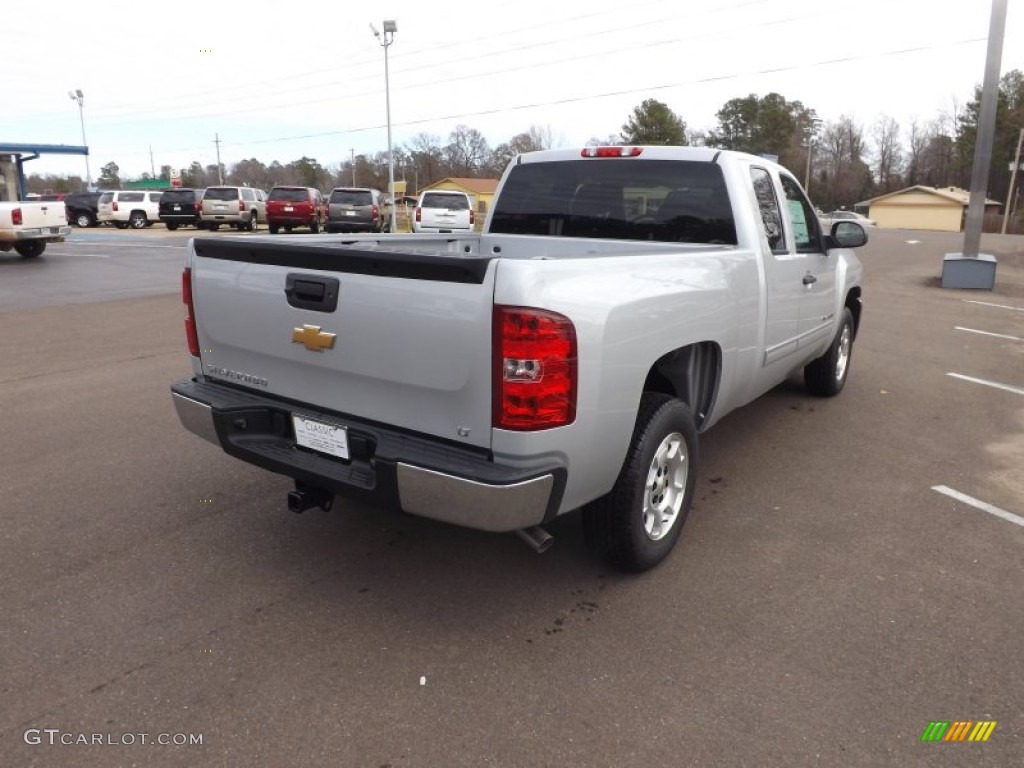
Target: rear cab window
[
  {"x": 221, "y": 193},
  {"x": 289, "y": 194},
  {"x": 456, "y": 202},
  {"x": 653, "y": 200},
  {"x": 178, "y": 196},
  {"x": 351, "y": 197}
]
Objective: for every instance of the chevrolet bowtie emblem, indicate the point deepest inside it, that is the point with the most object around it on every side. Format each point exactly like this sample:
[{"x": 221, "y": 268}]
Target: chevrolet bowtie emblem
[{"x": 312, "y": 338}]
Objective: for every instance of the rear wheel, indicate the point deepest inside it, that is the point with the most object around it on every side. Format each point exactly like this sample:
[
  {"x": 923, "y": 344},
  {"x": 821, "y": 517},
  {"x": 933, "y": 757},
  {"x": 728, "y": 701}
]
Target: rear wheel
[
  {"x": 121, "y": 224},
  {"x": 137, "y": 220},
  {"x": 171, "y": 225},
  {"x": 254, "y": 222},
  {"x": 314, "y": 226},
  {"x": 638, "y": 523},
  {"x": 826, "y": 376},
  {"x": 84, "y": 219},
  {"x": 214, "y": 227},
  {"x": 273, "y": 228},
  {"x": 29, "y": 249}
]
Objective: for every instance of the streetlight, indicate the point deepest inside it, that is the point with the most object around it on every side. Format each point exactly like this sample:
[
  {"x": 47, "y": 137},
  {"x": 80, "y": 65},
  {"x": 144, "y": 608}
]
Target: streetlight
[
  {"x": 385, "y": 40},
  {"x": 76, "y": 95}
]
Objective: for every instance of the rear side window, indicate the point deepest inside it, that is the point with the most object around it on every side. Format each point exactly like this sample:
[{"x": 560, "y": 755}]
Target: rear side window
[
  {"x": 289, "y": 194},
  {"x": 351, "y": 197},
  {"x": 768, "y": 205},
  {"x": 221, "y": 193},
  {"x": 106, "y": 197},
  {"x": 155, "y": 196},
  {"x": 450, "y": 202},
  {"x": 659, "y": 200},
  {"x": 130, "y": 197}
]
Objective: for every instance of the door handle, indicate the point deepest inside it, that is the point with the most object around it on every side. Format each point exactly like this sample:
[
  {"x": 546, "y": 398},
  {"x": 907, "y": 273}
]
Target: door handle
[
  {"x": 312, "y": 292},
  {"x": 810, "y": 279}
]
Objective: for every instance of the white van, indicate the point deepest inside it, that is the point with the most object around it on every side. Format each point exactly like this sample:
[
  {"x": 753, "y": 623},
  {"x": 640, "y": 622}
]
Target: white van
[{"x": 443, "y": 210}]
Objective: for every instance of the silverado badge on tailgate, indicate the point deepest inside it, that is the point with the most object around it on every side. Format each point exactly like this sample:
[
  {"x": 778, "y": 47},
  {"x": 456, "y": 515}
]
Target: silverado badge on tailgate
[{"x": 312, "y": 338}]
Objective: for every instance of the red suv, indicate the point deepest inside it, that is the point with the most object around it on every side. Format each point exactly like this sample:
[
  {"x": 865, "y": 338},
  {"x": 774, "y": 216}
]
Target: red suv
[{"x": 295, "y": 207}]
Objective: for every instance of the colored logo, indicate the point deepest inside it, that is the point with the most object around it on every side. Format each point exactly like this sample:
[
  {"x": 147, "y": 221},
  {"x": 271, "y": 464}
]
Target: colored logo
[
  {"x": 958, "y": 730},
  {"x": 312, "y": 338}
]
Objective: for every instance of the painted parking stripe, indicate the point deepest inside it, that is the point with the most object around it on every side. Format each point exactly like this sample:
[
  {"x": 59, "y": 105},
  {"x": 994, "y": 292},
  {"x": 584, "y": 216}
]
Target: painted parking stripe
[
  {"x": 107, "y": 244},
  {"x": 990, "y": 304},
  {"x": 988, "y": 333},
  {"x": 994, "y": 384},
  {"x": 983, "y": 506}
]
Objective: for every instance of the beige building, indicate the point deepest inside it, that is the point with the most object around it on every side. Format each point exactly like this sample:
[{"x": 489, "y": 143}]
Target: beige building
[
  {"x": 943, "y": 208},
  {"x": 480, "y": 191}
]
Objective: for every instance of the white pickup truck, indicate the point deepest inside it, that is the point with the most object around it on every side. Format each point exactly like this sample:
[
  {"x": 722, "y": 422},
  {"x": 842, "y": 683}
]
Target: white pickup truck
[
  {"x": 27, "y": 226},
  {"x": 619, "y": 301}
]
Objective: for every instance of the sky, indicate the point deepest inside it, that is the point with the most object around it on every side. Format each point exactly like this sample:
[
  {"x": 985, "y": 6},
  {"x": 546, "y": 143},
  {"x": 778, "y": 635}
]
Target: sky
[{"x": 278, "y": 80}]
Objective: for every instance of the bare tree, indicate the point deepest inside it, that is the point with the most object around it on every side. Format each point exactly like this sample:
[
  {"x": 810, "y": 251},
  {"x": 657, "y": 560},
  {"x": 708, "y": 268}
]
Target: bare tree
[
  {"x": 888, "y": 154},
  {"x": 467, "y": 151},
  {"x": 918, "y": 143}
]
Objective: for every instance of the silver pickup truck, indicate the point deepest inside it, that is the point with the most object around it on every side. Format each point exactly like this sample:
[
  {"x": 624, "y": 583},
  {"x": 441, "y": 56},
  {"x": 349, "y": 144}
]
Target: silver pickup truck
[{"x": 619, "y": 302}]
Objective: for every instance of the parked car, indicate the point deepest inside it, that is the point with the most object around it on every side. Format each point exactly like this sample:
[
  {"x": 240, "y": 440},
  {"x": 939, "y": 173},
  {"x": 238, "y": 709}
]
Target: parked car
[
  {"x": 443, "y": 211},
  {"x": 181, "y": 207},
  {"x": 238, "y": 207},
  {"x": 82, "y": 208},
  {"x": 358, "y": 209},
  {"x": 129, "y": 208},
  {"x": 290, "y": 207},
  {"x": 829, "y": 219}
]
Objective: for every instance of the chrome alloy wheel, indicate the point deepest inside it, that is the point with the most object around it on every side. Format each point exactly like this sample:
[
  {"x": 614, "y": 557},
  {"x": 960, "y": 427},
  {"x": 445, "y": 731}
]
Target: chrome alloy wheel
[
  {"x": 666, "y": 486},
  {"x": 843, "y": 358}
]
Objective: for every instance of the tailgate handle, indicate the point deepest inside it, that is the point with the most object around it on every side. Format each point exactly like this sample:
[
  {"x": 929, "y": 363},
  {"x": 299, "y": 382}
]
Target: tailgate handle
[{"x": 319, "y": 294}]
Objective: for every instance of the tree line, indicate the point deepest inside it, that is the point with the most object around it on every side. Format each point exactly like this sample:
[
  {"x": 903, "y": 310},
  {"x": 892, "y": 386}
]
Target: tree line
[{"x": 841, "y": 162}]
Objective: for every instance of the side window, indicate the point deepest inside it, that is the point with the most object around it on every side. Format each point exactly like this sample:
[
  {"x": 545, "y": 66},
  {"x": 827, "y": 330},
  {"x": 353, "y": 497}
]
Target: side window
[
  {"x": 768, "y": 204},
  {"x": 247, "y": 194},
  {"x": 806, "y": 231}
]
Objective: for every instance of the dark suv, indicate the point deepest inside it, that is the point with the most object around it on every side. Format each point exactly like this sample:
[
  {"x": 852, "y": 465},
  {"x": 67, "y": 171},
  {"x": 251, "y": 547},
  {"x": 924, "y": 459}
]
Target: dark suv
[
  {"x": 294, "y": 207},
  {"x": 81, "y": 208},
  {"x": 357, "y": 209},
  {"x": 180, "y": 207}
]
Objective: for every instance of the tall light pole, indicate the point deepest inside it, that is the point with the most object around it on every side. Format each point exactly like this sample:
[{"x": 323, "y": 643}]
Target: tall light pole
[
  {"x": 385, "y": 40},
  {"x": 76, "y": 95}
]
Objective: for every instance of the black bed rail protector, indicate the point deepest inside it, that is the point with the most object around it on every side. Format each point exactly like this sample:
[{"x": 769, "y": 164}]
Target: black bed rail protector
[{"x": 338, "y": 257}]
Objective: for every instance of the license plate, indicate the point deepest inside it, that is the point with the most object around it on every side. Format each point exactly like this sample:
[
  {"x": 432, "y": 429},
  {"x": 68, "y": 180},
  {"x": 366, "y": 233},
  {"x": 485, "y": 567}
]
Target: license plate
[
  {"x": 177, "y": 207},
  {"x": 289, "y": 207},
  {"x": 221, "y": 207},
  {"x": 325, "y": 438},
  {"x": 54, "y": 230},
  {"x": 350, "y": 213}
]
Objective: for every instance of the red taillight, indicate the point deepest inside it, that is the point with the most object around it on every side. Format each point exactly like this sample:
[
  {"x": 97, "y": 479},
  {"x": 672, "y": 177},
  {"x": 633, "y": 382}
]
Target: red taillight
[
  {"x": 190, "y": 321},
  {"x": 113, "y": 206},
  {"x": 241, "y": 205},
  {"x": 16, "y": 218},
  {"x": 534, "y": 373},
  {"x": 419, "y": 214},
  {"x": 472, "y": 217},
  {"x": 198, "y": 207},
  {"x": 376, "y": 213},
  {"x": 611, "y": 151}
]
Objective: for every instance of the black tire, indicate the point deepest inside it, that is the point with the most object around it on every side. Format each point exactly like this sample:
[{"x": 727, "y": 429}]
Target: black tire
[
  {"x": 171, "y": 225},
  {"x": 273, "y": 228},
  {"x": 137, "y": 220},
  {"x": 288, "y": 230},
  {"x": 826, "y": 376},
  {"x": 29, "y": 249},
  {"x": 314, "y": 226},
  {"x": 213, "y": 227},
  {"x": 254, "y": 222},
  {"x": 84, "y": 219},
  {"x": 664, "y": 445},
  {"x": 121, "y": 224}
]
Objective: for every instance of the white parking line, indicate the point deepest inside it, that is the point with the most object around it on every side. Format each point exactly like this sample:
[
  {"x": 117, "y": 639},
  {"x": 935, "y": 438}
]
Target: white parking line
[
  {"x": 983, "y": 506},
  {"x": 988, "y": 333},
  {"x": 990, "y": 304},
  {"x": 995, "y": 384}
]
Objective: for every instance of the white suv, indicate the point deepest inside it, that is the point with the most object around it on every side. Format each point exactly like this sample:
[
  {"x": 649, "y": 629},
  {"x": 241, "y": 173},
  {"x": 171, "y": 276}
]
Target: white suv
[
  {"x": 443, "y": 211},
  {"x": 129, "y": 208}
]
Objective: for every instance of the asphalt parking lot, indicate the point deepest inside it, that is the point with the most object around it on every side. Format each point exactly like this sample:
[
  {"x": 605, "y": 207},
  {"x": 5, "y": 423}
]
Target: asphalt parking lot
[{"x": 850, "y": 571}]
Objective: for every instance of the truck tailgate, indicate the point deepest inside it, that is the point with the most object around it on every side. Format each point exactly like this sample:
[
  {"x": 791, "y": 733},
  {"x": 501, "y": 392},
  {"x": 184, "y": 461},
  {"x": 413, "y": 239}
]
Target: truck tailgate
[{"x": 411, "y": 344}]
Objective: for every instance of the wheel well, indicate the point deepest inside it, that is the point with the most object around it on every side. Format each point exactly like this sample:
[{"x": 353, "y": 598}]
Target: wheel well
[
  {"x": 691, "y": 374},
  {"x": 854, "y": 305}
]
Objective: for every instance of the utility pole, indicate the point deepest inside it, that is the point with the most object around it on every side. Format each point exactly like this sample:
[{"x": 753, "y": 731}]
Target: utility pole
[
  {"x": 220, "y": 172},
  {"x": 1013, "y": 182},
  {"x": 352, "y": 152},
  {"x": 152, "y": 167}
]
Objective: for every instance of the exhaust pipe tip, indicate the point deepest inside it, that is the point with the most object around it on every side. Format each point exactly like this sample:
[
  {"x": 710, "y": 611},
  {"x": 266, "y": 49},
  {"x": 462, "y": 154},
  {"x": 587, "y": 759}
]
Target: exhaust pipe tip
[{"x": 536, "y": 538}]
